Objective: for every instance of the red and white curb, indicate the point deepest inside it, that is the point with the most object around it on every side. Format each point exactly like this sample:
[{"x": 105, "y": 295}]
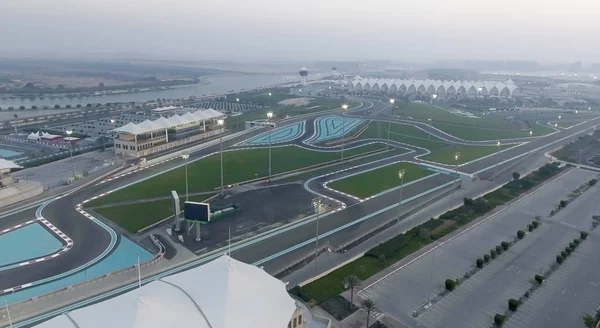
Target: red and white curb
[{"x": 67, "y": 245}]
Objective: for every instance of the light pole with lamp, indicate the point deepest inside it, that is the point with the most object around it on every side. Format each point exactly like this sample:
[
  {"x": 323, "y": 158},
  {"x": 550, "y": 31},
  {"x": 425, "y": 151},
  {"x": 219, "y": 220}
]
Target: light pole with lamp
[
  {"x": 220, "y": 122},
  {"x": 269, "y": 116},
  {"x": 496, "y": 166},
  {"x": 387, "y": 146},
  {"x": 344, "y": 108},
  {"x": 456, "y": 157},
  {"x": 430, "y": 123},
  {"x": 69, "y": 132},
  {"x": 401, "y": 177},
  {"x": 112, "y": 123},
  {"x": 185, "y": 159},
  {"x": 316, "y": 203},
  {"x": 270, "y": 94},
  {"x": 433, "y": 97}
]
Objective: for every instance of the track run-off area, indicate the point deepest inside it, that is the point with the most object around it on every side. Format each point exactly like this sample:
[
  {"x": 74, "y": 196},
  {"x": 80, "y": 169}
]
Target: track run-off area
[{"x": 115, "y": 251}]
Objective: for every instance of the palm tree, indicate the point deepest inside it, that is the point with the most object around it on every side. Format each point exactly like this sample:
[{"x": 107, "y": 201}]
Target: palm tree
[
  {"x": 351, "y": 282},
  {"x": 369, "y": 305},
  {"x": 589, "y": 320}
]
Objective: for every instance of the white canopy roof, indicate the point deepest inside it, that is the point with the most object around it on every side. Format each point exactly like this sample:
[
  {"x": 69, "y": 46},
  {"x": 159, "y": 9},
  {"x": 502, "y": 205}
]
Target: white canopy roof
[
  {"x": 165, "y": 123},
  {"x": 6, "y": 164},
  {"x": 224, "y": 293}
]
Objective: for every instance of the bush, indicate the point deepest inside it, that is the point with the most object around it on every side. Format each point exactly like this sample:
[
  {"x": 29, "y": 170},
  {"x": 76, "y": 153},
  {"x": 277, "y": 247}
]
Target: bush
[
  {"x": 535, "y": 224},
  {"x": 486, "y": 258},
  {"x": 505, "y": 245},
  {"x": 513, "y": 304},
  {"x": 568, "y": 250},
  {"x": 592, "y": 182},
  {"x": 499, "y": 319},
  {"x": 539, "y": 279},
  {"x": 572, "y": 245},
  {"x": 450, "y": 284},
  {"x": 559, "y": 259},
  {"x": 583, "y": 235},
  {"x": 516, "y": 175},
  {"x": 530, "y": 227},
  {"x": 563, "y": 203},
  {"x": 520, "y": 234},
  {"x": 526, "y": 295},
  {"x": 493, "y": 253},
  {"x": 479, "y": 263},
  {"x": 564, "y": 254},
  {"x": 298, "y": 291},
  {"x": 577, "y": 241},
  {"x": 499, "y": 249}
]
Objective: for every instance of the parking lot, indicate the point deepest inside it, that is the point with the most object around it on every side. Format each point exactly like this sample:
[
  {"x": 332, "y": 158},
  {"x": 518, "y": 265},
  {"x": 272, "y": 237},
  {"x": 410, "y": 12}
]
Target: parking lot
[{"x": 474, "y": 302}]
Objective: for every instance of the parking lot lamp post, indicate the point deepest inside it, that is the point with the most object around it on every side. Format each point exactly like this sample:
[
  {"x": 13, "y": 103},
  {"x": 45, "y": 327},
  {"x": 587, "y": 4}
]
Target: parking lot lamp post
[
  {"x": 316, "y": 203},
  {"x": 112, "y": 123},
  {"x": 69, "y": 132},
  {"x": 530, "y": 133},
  {"x": 220, "y": 123},
  {"x": 456, "y": 157},
  {"x": 344, "y": 108},
  {"x": 185, "y": 158},
  {"x": 429, "y": 134},
  {"x": 496, "y": 166},
  {"x": 401, "y": 177},
  {"x": 387, "y": 146},
  {"x": 431, "y": 276},
  {"x": 269, "y": 116},
  {"x": 270, "y": 94}
]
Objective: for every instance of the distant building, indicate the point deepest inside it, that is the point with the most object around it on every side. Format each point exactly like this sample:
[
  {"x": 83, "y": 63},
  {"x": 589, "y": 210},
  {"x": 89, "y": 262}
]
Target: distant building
[
  {"x": 148, "y": 137},
  {"x": 431, "y": 87}
]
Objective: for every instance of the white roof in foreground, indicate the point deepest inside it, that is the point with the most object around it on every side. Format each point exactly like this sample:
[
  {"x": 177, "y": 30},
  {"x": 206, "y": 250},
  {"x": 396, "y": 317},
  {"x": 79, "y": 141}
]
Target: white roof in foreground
[
  {"x": 175, "y": 120},
  {"x": 6, "y": 164},
  {"x": 224, "y": 293}
]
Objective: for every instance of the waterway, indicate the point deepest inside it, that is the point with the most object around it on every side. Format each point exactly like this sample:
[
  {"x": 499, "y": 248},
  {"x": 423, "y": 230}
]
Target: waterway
[{"x": 217, "y": 85}]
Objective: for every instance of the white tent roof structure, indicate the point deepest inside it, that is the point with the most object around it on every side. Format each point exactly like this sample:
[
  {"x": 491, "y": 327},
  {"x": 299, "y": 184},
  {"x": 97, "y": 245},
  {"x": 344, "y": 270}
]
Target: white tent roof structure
[
  {"x": 6, "y": 164},
  {"x": 224, "y": 293},
  {"x": 165, "y": 123}
]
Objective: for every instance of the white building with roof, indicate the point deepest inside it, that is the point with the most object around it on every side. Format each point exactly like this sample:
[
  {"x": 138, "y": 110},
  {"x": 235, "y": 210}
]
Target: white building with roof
[
  {"x": 224, "y": 293},
  {"x": 438, "y": 87},
  {"x": 148, "y": 137}
]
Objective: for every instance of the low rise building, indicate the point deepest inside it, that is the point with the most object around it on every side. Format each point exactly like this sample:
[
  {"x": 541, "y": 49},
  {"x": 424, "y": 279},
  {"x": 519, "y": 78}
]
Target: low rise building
[{"x": 149, "y": 137}]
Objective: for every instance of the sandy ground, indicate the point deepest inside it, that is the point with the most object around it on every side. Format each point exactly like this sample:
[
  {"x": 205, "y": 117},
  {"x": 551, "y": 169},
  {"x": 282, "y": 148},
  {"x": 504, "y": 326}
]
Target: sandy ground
[{"x": 296, "y": 101}]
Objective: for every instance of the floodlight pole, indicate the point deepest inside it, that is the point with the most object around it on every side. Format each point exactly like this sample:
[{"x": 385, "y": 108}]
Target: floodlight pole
[
  {"x": 269, "y": 116},
  {"x": 387, "y": 146},
  {"x": 220, "y": 123},
  {"x": 429, "y": 134},
  {"x": 401, "y": 176},
  {"x": 316, "y": 202},
  {"x": 431, "y": 276},
  {"x": 496, "y": 166},
  {"x": 344, "y": 107},
  {"x": 456, "y": 156}
]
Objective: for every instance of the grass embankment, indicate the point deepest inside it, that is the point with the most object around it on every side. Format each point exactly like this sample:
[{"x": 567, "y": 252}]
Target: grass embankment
[
  {"x": 488, "y": 127},
  {"x": 373, "y": 182},
  {"x": 340, "y": 166},
  {"x": 397, "y": 248},
  {"x": 238, "y": 166},
  {"x": 441, "y": 151},
  {"x": 133, "y": 217}
]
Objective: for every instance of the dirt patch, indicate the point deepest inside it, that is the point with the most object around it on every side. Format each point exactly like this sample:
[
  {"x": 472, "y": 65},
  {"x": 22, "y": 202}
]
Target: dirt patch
[{"x": 296, "y": 101}]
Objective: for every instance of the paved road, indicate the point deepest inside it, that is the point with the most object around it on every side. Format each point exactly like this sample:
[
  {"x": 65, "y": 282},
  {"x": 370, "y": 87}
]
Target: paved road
[
  {"x": 62, "y": 214},
  {"x": 476, "y": 301}
]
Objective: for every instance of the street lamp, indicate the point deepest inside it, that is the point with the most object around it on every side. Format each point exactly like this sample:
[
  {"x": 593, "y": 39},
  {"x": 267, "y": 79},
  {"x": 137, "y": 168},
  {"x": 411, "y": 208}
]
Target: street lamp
[
  {"x": 344, "y": 108},
  {"x": 559, "y": 117},
  {"x": 270, "y": 94},
  {"x": 69, "y": 132},
  {"x": 530, "y": 133},
  {"x": 316, "y": 203},
  {"x": 112, "y": 123},
  {"x": 237, "y": 99},
  {"x": 433, "y": 97},
  {"x": 401, "y": 177},
  {"x": 220, "y": 123},
  {"x": 269, "y": 116},
  {"x": 185, "y": 158},
  {"x": 429, "y": 135},
  {"x": 496, "y": 166},
  {"x": 392, "y": 100},
  {"x": 456, "y": 157}
]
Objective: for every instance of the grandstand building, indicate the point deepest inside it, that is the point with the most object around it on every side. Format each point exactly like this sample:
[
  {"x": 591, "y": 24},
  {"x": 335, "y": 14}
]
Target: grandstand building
[
  {"x": 431, "y": 87},
  {"x": 148, "y": 137},
  {"x": 224, "y": 293}
]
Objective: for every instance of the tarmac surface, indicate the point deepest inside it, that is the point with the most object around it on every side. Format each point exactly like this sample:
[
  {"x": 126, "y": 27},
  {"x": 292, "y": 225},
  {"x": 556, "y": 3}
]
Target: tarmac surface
[{"x": 90, "y": 240}]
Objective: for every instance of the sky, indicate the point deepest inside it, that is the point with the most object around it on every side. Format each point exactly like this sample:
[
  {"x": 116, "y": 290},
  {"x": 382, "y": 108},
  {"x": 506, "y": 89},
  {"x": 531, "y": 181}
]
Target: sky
[{"x": 417, "y": 31}]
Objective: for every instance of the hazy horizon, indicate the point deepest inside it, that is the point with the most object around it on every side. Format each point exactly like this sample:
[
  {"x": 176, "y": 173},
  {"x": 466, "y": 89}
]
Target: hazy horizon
[{"x": 422, "y": 31}]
